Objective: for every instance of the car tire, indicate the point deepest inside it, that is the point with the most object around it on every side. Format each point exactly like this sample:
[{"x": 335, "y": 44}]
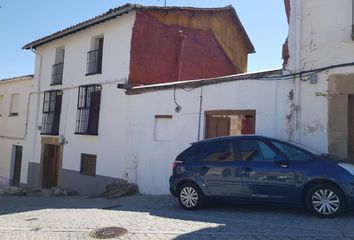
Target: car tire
[
  {"x": 190, "y": 197},
  {"x": 325, "y": 200}
]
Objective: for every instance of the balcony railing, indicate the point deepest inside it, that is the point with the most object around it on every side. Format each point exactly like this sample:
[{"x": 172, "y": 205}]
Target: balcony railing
[
  {"x": 94, "y": 62},
  {"x": 57, "y": 73}
]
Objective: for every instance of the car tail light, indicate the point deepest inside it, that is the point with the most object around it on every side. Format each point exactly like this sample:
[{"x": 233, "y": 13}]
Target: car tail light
[{"x": 176, "y": 164}]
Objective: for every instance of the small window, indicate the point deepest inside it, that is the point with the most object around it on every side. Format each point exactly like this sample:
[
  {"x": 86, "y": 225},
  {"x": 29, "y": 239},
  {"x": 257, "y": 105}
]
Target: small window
[
  {"x": 58, "y": 67},
  {"x": 163, "y": 128},
  {"x": 15, "y": 98},
  {"x": 1, "y": 104},
  {"x": 292, "y": 153},
  {"x": 88, "y": 109},
  {"x": 94, "y": 56},
  {"x": 254, "y": 150},
  {"x": 88, "y": 164},
  {"x": 51, "y": 112},
  {"x": 220, "y": 151}
]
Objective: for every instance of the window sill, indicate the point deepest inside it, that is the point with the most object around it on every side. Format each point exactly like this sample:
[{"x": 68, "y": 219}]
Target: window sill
[
  {"x": 50, "y": 134},
  {"x": 88, "y": 74},
  {"x": 54, "y": 84},
  {"x": 87, "y": 134},
  {"x": 13, "y": 115}
]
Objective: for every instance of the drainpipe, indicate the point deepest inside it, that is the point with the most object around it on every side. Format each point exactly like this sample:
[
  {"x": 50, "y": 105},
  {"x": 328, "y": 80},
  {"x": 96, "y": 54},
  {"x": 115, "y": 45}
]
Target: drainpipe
[
  {"x": 353, "y": 20},
  {"x": 298, "y": 44},
  {"x": 37, "y": 104},
  {"x": 200, "y": 111}
]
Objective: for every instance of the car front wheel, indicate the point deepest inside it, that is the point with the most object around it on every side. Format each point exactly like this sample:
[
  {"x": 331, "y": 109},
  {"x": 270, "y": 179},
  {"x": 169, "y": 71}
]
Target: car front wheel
[
  {"x": 325, "y": 200},
  {"x": 190, "y": 196}
]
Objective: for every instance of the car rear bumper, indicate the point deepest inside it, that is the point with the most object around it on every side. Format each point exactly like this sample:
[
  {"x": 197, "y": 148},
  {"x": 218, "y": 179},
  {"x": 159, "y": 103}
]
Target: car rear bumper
[{"x": 173, "y": 186}]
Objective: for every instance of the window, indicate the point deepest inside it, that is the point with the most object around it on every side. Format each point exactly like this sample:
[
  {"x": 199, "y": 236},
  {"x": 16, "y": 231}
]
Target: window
[
  {"x": 88, "y": 108},
  {"x": 94, "y": 57},
  {"x": 58, "y": 67},
  {"x": 51, "y": 112},
  {"x": 1, "y": 104},
  {"x": 88, "y": 164},
  {"x": 253, "y": 150},
  {"x": 221, "y": 151},
  {"x": 292, "y": 153},
  {"x": 163, "y": 128},
  {"x": 229, "y": 122},
  {"x": 15, "y": 98}
]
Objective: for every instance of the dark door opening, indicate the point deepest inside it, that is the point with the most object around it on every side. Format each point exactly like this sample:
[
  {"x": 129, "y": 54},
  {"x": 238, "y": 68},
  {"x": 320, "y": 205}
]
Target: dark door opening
[
  {"x": 351, "y": 127},
  {"x": 17, "y": 166},
  {"x": 50, "y": 166}
]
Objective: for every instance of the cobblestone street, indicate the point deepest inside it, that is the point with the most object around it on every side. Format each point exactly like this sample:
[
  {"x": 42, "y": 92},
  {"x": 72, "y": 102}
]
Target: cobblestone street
[{"x": 159, "y": 217}]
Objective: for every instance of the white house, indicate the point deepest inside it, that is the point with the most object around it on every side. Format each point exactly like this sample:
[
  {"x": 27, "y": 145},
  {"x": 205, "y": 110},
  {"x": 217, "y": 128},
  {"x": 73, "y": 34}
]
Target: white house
[
  {"x": 321, "y": 48},
  {"x": 16, "y": 95},
  {"x": 117, "y": 113}
]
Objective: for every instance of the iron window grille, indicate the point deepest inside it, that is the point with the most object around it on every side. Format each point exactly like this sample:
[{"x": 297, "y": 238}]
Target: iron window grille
[
  {"x": 88, "y": 108},
  {"x": 94, "y": 61},
  {"x": 51, "y": 112},
  {"x": 57, "y": 73}
]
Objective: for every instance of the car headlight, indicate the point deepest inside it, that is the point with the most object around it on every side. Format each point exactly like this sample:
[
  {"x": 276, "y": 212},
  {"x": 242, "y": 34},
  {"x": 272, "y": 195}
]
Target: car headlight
[{"x": 347, "y": 166}]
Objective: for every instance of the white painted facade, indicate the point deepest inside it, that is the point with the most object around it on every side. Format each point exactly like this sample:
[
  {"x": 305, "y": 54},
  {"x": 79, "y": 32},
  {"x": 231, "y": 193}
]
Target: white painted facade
[
  {"x": 319, "y": 36},
  {"x": 14, "y": 128},
  {"x": 134, "y": 145}
]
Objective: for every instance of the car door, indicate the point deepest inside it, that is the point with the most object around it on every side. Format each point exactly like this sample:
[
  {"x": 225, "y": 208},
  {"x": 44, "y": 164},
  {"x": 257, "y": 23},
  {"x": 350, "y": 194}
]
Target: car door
[
  {"x": 266, "y": 175},
  {"x": 219, "y": 168}
]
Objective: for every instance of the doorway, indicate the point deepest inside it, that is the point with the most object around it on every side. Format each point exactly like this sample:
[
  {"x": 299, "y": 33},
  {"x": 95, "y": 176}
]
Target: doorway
[
  {"x": 351, "y": 127},
  {"x": 50, "y": 165},
  {"x": 17, "y": 150}
]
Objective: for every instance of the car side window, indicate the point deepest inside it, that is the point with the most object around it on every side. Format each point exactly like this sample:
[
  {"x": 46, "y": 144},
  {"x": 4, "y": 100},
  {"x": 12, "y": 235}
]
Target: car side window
[
  {"x": 189, "y": 155},
  {"x": 292, "y": 153},
  {"x": 255, "y": 150},
  {"x": 220, "y": 151}
]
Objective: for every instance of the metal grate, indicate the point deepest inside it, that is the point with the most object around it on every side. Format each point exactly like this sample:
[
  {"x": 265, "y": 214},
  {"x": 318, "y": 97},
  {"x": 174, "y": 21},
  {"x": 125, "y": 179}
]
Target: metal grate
[
  {"x": 94, "y": 61},
  {"x": 108, "y": 232},
  {"x": 57, "y": 73}
]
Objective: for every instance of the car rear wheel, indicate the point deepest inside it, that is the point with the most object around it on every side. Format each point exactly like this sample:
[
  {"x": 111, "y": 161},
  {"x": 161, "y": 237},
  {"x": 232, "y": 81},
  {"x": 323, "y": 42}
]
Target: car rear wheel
[
  {"x": 325, "y": 200},
  {"x": 190, "y": 196}
]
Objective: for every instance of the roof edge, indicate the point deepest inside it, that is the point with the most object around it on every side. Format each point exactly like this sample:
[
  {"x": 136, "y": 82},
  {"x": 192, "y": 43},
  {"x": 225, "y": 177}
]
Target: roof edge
[
  {"x": 202, "y": 82},
  {"x": 19, "y": 78}
]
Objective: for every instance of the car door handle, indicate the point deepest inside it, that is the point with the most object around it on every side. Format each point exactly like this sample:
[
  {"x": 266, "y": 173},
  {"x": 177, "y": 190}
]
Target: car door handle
[{"x": 246, "y": 170}]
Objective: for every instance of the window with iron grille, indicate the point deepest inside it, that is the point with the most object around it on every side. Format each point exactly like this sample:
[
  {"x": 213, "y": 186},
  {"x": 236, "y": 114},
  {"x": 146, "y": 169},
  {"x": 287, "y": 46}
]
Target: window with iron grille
[
  {"x": 58, "y": 67},
  {"x": 88, "y": 164},
  {"x": 94, "y": 57},
  {"x": 88, "y": 109},
  {"x": 51, "y": 112}
]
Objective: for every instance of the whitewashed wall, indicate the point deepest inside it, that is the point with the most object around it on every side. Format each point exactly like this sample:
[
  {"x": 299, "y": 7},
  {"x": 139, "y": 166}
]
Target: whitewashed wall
[
  {"x": 109, "y": 144},
  {"x": 153, "y": 159},
  {"x": 13, "y": 129},
  {"x": 319, "y": 36}
]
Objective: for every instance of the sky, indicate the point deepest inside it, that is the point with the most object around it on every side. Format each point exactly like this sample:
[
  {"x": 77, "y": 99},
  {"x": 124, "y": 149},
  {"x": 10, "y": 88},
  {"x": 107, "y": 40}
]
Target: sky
[{"x": 22, "y": 21}]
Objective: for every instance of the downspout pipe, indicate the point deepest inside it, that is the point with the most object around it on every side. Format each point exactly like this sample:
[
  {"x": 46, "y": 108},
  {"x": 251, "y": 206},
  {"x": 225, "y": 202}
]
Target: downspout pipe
[
  {"x": 37, "y": 103},
  {"x": 297, "y": 107},
  {"x": 353, "y": 20}
]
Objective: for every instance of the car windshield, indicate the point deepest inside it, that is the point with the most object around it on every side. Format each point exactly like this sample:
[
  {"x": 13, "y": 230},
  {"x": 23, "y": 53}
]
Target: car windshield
[{"x": 307, "y": 148}]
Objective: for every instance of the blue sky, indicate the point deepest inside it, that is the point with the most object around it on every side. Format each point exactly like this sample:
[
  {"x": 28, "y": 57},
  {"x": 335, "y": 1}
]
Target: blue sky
[{"x": 24, "y": 21}]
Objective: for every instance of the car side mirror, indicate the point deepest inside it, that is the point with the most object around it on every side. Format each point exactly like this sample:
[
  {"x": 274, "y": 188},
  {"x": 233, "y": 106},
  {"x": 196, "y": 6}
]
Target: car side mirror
[{"x": 282, "y": 161}]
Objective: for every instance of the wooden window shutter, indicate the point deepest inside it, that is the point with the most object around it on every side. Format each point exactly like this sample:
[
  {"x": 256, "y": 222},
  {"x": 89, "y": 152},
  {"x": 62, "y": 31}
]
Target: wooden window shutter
[
  {"x": 94, "y": 112},
  {"x": 57, "y": 110},
  {"x": 88, "y": 164}
]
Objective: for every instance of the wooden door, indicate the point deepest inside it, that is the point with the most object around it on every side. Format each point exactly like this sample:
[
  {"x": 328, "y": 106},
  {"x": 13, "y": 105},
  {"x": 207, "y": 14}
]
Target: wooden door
[
  {"x": 351, "y": 128},
  {"x": 217, "y": 126},
  {"x": 50, "y": 166},
  {"x": 17, "y": 166}
]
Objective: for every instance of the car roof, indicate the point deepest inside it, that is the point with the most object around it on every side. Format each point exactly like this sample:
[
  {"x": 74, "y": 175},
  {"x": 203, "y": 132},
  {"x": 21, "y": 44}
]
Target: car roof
[{"x": 216, "y": 139}]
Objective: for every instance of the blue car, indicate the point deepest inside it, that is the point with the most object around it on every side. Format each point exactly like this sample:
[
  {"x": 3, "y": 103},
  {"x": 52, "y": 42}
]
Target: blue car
[{"x": 262, "y": 169}]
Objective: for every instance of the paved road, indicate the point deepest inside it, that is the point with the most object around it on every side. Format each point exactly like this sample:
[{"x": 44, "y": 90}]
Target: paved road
[{"x": 159, "y": 217}]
